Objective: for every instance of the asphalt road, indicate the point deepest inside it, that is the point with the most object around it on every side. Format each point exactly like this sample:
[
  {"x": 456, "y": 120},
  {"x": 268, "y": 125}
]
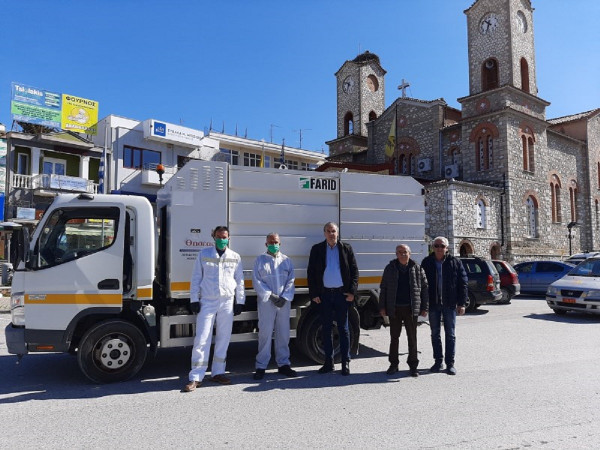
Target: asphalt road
[{"x": 527, "y": 378}]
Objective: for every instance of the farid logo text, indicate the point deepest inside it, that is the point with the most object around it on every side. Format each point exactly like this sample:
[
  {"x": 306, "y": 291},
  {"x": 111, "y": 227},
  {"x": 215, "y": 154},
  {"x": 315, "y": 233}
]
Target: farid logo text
[{"x": 322, "y": 184}]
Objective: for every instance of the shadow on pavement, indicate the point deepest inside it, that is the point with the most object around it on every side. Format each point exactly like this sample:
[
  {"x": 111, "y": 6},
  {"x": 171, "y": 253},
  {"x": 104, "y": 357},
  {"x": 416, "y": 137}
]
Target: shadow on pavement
[
  {"x": 45, "y": 376},
  {"x": 570, "y": 317}
]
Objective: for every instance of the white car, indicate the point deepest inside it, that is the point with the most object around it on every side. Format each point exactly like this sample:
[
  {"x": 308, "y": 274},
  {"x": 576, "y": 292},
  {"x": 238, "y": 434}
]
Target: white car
[{"x": 578, "y": 290}]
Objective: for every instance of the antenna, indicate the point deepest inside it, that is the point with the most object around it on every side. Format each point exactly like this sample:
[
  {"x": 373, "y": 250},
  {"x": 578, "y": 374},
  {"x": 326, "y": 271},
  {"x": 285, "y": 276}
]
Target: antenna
[
  {"x": 273, "y": 125},
  {"x": 300, "y": 130}
]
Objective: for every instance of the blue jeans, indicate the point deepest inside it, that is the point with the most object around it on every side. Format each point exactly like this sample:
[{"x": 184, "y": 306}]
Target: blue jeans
[
  {"x": 436, "y": 312},
  {"x": 335, "y": 307}
]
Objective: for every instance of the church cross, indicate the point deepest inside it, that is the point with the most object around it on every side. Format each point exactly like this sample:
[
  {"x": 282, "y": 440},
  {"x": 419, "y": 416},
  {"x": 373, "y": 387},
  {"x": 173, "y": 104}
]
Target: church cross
[{"x": 403, "y": 87}]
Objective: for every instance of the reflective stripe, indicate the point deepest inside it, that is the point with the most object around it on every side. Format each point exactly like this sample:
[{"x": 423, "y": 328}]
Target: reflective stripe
[
  {"x": 219, "y": 360},
  {"x": 73, "y": 299},
  {"x": 218, "y": 260},
  {"x": 200, "y": 364}
]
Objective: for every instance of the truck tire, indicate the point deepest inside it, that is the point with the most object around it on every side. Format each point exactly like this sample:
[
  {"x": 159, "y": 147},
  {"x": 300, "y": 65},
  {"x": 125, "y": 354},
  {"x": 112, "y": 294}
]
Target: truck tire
[
  {"x": 112, "y": 350},
  {"x": 310, "y": 340}
]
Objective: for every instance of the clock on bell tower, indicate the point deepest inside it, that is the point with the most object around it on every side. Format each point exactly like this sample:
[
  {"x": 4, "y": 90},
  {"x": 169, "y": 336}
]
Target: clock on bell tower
[
  {"x": 360, "y": 94},
  {"x": 501, "y": 46}
]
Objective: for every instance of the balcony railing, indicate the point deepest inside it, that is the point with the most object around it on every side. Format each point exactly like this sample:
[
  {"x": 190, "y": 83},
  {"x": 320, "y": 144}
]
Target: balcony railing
[{"x": 53, "y": 182}]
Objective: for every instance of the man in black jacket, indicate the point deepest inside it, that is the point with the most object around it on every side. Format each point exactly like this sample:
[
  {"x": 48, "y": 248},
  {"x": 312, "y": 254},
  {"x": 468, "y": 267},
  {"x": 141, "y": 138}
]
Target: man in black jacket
[
  {"x": 447, "y": 298},
  {"x": 404, "y": 295},
  {"x": 332, "y": 284}
]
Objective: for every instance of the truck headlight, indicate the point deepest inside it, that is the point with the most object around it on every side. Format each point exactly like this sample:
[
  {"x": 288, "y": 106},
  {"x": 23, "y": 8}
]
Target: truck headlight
[
  {"x": 592, "y": 294},
  {"x": 17, "y": 309},
  {"x": 552, "y": 290}
]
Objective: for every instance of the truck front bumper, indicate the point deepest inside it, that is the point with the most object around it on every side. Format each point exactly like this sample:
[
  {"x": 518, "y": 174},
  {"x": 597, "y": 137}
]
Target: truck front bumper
[{"x": 15, "y": 340}]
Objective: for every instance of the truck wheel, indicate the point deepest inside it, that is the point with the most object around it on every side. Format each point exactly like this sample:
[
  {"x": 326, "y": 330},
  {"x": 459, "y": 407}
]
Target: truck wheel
[
  {"x": 112, "y": 350},
  {"x": 560, "y": 312},
  {"x": 311, "y": 343},
  {"x": 471, "y": 305}
]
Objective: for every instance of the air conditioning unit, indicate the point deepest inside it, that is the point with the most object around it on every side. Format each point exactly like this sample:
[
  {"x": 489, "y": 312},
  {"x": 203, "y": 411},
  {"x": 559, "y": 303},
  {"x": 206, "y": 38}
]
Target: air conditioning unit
[
  {"x": 424, "y": 164},
  {"x": 451, "y": 171}
]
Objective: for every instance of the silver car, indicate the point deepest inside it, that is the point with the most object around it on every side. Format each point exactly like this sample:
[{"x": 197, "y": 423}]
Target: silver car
[{"x": 578, "y": 290}]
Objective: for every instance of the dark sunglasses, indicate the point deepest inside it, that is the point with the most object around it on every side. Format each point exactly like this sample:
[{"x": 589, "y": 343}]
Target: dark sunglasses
[{"x": 439, "y": 245}]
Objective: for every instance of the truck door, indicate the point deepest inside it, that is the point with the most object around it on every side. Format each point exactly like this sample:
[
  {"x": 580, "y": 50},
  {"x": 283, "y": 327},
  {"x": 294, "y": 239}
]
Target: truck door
[{"x": 76, "y": 267}]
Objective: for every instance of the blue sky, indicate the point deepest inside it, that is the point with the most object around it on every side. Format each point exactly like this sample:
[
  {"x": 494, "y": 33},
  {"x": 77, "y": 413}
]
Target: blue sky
[{"x": 268, "y": 66}]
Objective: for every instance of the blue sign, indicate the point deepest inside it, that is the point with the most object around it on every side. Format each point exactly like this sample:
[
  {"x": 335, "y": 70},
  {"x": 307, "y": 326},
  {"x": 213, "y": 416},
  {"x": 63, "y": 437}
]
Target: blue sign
[
  {"x": 160, "y": 129},
  {"x": 37, "y": 106}
]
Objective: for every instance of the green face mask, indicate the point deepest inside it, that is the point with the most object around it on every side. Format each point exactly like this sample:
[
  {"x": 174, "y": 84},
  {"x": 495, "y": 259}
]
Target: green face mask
[
  {"x": 221, "y": 243},
  {"x": 273, "y": 248}
]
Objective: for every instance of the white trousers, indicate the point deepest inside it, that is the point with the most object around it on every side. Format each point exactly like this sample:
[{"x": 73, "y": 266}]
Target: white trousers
[
  {"x": 270, "y": 318},
  {"x": 222, "y": 311}
]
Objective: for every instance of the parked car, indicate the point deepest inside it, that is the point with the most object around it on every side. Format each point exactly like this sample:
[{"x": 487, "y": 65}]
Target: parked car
[
  {"x": 579, "y": 290},
  {"x": 509, "y": 280},
  {"x": 536, "y": 276},
  {"x": 484, "y": 282},
  {"x": 580, "y": 257}
]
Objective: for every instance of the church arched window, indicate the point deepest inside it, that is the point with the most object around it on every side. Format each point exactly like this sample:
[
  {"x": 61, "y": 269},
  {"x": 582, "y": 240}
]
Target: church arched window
[
  {"x": 573, "y": 199},
  {"x": 372, "y": 116},
  {"x": 527, "y": 142},
  {"x": 348, "y": 124},
  {"x": 489, "y": 74},
  {"x": 481, "y": 216},
  {"x": 531, "y": 207},
  {"x": 483, "y": 137},
  {"x": 524, "y": 75},
  {"x": 408, "y": 151},
  {"x": 555, "y": 198}
]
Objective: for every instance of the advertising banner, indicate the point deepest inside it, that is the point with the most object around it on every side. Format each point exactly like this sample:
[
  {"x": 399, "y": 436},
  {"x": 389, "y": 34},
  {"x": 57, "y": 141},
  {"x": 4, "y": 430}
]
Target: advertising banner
[
  {"x": 2, "y": 165},
  {"x": 54, "y": 110},
  {"x": 33, "y": 105},
  {"x": 79, "y": 114}
]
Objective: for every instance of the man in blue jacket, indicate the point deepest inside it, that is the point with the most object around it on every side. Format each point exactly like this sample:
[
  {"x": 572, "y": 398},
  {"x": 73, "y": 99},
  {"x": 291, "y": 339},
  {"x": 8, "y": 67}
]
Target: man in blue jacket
[
  {"x": 447, "y": 297},
  {"x": 332, "y": 284}
]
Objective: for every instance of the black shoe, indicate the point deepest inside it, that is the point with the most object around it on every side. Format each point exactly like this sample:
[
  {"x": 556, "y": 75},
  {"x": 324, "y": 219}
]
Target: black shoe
[
  {"x": 438, "y": 366},
  {"x": 287, "y": 371},
  {"x": 345, "y": 367},
  {"x": 414, "y": 373},
  {"x": 392, "y": 369},
  {"x": 451, "y": 370},
  {"x": 259, "y": 374},
  {"x": 327, "y": 367}
]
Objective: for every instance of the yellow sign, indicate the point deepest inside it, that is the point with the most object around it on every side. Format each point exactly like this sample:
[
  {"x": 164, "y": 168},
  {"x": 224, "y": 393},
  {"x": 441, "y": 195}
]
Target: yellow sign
[{"x": 79, "y": 115}]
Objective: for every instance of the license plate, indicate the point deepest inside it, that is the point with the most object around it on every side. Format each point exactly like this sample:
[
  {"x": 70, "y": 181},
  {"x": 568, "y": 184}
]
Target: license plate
[{"x": 568, "y": 300}]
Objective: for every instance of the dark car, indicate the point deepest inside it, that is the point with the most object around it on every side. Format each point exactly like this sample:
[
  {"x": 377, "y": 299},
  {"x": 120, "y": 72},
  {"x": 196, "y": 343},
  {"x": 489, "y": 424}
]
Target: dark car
[
  {"x": 484, "y": 282},
  {"x": 509, "y": 280},
  {"x": 536, "y": 276}
]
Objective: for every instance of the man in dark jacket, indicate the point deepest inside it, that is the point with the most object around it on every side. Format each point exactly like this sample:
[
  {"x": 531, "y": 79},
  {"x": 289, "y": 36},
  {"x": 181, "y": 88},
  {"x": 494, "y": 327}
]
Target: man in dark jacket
[
  {"x": 403, "y": 297},
  {"x": 332, "y": 284},
  {"x": 447, "y": 297}
]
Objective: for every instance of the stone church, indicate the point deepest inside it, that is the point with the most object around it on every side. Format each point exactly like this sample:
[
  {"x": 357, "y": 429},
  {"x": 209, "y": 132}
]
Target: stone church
[{"x": 501, "y": 180}]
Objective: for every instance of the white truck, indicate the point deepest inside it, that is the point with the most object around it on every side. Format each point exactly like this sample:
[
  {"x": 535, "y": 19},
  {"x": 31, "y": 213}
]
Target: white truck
[{"x": 107, "y": 278}]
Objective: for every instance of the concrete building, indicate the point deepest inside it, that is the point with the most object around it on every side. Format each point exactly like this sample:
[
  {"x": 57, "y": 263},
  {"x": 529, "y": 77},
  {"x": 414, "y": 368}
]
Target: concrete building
[{"x": 502, "y": 180}]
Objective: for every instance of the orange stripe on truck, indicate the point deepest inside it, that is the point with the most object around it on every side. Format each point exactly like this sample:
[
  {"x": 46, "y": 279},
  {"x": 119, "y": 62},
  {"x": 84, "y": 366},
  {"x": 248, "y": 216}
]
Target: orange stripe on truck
[
  {"x": 73, "y": 299},
  {"x": 300, "y": 282}
]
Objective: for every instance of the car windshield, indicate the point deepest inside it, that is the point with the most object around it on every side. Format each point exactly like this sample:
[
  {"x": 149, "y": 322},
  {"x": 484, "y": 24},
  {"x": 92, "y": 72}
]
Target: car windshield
[{"x": 588, "y": 268}]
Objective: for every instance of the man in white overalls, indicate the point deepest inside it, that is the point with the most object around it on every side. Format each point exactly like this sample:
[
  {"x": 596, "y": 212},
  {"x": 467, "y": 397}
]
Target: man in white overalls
[
  {"x": 217, "y": 280},
  {"x": 273, "y": 280}
]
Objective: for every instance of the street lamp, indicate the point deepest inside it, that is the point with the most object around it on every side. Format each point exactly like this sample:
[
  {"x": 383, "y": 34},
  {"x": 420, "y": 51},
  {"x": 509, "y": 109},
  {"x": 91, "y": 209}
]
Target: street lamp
[
  {"x": 570, "y": 235},
  {"x": 160, "y": 170}
]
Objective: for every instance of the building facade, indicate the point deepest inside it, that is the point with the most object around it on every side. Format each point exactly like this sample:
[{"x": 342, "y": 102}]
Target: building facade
[{"x": 502, "y": 181}]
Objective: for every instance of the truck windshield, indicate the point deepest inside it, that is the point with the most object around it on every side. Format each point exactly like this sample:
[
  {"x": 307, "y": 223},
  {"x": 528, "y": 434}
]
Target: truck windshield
[{"x": 70, "y": 234}]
